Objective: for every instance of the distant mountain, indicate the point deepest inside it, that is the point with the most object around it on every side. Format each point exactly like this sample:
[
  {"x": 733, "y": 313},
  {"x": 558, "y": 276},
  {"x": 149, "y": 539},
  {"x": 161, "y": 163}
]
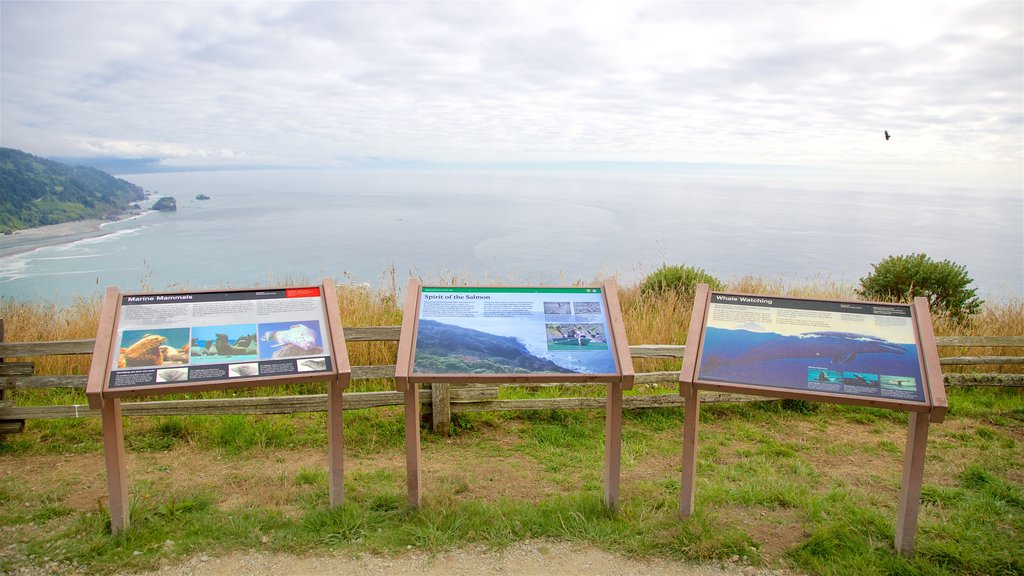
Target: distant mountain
[
  {"x": 35, "y": 192},
  {"x": 446, "y": 349}
]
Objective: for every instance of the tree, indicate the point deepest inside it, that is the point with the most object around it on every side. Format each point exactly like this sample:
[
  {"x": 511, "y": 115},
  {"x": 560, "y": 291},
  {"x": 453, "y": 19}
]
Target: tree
[{"x": 944, "y": 284}]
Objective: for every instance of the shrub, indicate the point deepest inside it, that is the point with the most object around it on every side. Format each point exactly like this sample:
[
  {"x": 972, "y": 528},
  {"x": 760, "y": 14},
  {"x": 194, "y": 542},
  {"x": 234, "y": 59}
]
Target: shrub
[
  {"x": 682, "y": 280},
  {"x": 944, "y": 284}
]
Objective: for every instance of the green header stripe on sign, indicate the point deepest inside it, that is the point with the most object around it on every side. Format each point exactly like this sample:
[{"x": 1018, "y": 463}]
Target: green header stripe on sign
[{"x": 516, "y": 290}]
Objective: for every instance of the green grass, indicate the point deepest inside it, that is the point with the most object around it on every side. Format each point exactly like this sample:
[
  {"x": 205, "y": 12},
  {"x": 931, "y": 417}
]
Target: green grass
[{"x": 756, "y": 473}]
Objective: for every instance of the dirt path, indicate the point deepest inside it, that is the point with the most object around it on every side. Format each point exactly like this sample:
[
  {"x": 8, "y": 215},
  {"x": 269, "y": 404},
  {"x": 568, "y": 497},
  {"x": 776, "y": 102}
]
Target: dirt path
[{"x": 525, "y": 558}]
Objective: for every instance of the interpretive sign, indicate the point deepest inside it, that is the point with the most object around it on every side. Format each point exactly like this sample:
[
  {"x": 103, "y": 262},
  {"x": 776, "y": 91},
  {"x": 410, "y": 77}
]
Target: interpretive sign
[
  {"x": 517, "y": 335},
  {"x": 814, "y": 346},
  {"x": 205, "y": 340},
  {"x": 158, "y": 344},
  {"x": 485, "y": 332},
  {"x": 861, "y": 353}
]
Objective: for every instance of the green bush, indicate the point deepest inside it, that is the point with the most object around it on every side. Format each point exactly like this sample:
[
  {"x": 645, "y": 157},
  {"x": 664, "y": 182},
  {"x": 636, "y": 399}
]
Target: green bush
[
  {"x": 680, "y": 279},
  {"x": 944, "y": 284}
]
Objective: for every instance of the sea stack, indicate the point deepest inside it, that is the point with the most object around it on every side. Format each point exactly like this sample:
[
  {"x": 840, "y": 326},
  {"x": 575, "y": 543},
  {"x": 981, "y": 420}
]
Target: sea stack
[{"x": 167, "y": 203}]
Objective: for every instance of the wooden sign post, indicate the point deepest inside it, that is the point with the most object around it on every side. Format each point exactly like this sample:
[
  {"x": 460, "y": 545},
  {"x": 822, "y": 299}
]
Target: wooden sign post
[
  {"x": 860, "y": 353},
  {"x": 514, "y": 335},
  {"x": 157, "y": 344}
]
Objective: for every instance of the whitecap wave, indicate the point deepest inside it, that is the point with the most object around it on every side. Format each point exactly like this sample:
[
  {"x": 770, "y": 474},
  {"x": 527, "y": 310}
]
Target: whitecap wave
[{"x": 98, "y": 239}]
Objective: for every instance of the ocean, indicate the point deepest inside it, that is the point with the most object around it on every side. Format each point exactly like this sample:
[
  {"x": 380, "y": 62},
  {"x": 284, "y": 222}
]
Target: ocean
[{"x": 260, "y": 228}]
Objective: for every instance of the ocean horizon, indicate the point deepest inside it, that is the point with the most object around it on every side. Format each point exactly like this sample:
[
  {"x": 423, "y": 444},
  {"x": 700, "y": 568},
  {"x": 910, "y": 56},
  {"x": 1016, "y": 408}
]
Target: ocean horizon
[{"x": 370, "y": 227}]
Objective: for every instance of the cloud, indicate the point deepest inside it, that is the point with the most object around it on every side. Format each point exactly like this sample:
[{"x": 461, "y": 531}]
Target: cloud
[{"x": 306, "y": 83}]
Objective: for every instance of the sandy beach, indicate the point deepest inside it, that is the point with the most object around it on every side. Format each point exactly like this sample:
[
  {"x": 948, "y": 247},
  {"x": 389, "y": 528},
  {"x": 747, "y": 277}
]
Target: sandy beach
[{"x": 29, "y": 239}]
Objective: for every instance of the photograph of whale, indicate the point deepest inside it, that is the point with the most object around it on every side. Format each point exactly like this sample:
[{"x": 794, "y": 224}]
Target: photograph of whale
[{"x": 792, "y": 361}]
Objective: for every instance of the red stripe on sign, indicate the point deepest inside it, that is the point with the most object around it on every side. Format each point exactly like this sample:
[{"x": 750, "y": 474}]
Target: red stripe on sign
[{"x": 301, "y": 292}]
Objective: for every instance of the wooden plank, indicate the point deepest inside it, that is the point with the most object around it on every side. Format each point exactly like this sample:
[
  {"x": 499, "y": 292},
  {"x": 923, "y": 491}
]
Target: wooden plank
[
  {"x": 656, "y": 351},
  {"x": 15, "y": 426},
  {"x": 612, "y": 445},
  {"x": 117, "y": 474},
  {"x": 688, "y": 477},
  {"x": 16, "y": 369},
  {"x": 981, "y": 341},
  {"x": 931, "y": 370},
  {"x": 104, "y": 348},
  {"x": 373, "y": 334},
  {"x": 975, "y": 360},
  {"x": 335, "y": 443},
  {"x": 440, "y": 408},
  {"x": 254, "y": 405},
  {"x": 620, "y": 342},
  {"x": 403, "y": 362},
  {"x": 628, "y": 402},
  {"x": 987, "y": 379},
  {"x": 56, "y": 348},
  {"x": 372, "y": 372},
  {"x": 12, "y": 427},
  {"x": 29, "y": 382},
  {"x": 688, "y": 371},
  {"x": 910, "y": 488},
  {"x": 333, "y": 316}
]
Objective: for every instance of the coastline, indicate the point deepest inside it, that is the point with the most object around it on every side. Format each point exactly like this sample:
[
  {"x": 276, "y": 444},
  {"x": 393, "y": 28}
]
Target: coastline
[{"x": 30, "y": 239}]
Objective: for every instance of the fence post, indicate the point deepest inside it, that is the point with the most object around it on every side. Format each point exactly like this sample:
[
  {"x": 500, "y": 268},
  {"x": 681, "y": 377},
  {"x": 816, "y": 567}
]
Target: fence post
[
  {"x": 7, "y": 426},
  {"x": 3, "y": 391},
  {"x": 440, "y": 407}
]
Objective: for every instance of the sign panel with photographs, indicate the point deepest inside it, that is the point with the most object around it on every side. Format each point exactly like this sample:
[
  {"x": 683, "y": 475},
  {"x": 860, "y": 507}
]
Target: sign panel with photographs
[
  {"x": 857, "y": 349},
  {"x": 190, "y": 338},
  {"x": 512, "y": 331}
]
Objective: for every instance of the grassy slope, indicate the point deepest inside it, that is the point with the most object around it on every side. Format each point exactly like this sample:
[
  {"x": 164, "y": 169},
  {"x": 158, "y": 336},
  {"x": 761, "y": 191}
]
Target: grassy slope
[{"x": 813, "y": 487}]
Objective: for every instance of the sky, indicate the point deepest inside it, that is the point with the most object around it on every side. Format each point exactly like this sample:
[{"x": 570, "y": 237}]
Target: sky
[{"x": 340, "y": 84}]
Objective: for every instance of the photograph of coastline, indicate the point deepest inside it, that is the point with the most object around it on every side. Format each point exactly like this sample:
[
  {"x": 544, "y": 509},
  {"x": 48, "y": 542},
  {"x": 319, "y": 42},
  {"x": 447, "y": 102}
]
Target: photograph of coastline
[
  {"x": 155, "y": 347},
  {"x": 576, "y": 337},
  {"x": 449, "y": 349}
]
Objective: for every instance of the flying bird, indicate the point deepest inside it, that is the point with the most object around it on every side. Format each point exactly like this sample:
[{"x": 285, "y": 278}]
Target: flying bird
[{"x": 886, "y": 134}]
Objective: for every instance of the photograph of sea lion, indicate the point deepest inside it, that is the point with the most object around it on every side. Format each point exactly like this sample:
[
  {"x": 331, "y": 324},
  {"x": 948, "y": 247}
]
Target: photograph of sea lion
[
  {"x": 153, "y": 347},
  {"x": 312, "y": 365},
  {"x": 246, "y": 370},
  {"x": 172, "y": 375},
  {"x": 290, "y": 339},
  {"x": 231, "y": 342}
]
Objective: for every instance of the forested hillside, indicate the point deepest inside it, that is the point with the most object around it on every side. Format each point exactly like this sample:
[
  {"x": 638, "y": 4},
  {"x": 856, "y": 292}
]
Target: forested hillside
[{"x": 35, "y": 192}]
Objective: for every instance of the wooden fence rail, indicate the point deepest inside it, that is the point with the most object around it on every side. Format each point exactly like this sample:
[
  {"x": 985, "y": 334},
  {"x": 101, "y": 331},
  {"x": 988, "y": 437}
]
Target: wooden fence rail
[{"x": 441, "y": 401}]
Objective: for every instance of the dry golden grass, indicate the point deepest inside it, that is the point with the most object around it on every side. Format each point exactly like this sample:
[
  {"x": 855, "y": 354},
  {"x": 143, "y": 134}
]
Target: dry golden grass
[{"x": 662, "y": 319}]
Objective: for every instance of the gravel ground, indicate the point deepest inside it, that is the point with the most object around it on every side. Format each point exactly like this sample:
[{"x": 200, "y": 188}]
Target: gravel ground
[{"x": 526, "y": 558}]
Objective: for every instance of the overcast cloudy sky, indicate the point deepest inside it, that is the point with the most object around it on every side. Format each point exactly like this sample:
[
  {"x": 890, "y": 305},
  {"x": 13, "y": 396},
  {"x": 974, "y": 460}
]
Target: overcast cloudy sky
[{"x": 324, "y": 83}]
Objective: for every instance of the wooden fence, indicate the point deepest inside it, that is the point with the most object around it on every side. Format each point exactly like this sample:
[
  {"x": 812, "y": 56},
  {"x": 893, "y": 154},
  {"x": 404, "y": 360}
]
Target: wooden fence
[{"x": 441, "y": 400}]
